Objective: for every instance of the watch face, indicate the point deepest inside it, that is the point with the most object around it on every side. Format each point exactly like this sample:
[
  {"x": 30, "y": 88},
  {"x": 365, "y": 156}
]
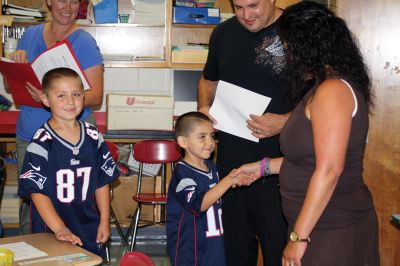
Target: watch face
[{"x": 294, "y": 237}]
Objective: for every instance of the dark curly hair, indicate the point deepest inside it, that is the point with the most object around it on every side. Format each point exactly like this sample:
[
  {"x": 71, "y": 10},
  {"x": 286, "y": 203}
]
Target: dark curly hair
[{"x": 320, "y": 46}]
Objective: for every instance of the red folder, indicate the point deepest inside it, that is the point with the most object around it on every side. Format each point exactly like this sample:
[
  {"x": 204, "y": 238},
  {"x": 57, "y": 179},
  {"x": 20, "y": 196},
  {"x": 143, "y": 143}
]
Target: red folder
[{"x": 17, "y": 75}]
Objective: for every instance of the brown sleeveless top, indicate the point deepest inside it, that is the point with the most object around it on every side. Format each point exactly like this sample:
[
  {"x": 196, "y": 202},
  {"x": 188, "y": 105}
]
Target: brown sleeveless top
[{"x": 351, "y": 199}]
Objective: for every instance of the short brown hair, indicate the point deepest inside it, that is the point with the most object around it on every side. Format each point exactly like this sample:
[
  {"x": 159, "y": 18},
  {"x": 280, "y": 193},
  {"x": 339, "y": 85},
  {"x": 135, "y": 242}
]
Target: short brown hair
[
  {"x": 57, "y": 73},
  {"x": 184, "y": 124}
]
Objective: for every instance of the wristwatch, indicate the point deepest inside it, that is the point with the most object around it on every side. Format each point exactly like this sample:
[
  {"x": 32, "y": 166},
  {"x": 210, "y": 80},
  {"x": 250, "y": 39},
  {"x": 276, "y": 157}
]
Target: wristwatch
[{"x": 296, "y": 238}]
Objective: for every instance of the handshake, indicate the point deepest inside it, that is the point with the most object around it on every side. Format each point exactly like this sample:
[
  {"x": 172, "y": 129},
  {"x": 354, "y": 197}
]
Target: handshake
[{"x": 245, "y": 174}]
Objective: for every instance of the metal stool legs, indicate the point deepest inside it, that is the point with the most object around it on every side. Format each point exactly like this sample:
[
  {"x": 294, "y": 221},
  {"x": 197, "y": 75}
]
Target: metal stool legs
[
  {"x": 133, "y": 227},
  {"x": 118, "y": 226}
]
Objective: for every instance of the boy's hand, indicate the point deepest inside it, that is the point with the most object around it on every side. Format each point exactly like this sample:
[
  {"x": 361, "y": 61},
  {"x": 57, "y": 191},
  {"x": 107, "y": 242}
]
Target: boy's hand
[
  {"x": 244, "y": 180},
  {"x": 240, "y": 179},
  {"x": 103, "y": 232},
  {"x": 251, "y": 169},
  {"x": 66, "y": 235}
]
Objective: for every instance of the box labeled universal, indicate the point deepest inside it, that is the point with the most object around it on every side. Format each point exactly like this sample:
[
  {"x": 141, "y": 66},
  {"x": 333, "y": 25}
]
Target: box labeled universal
[
  {"x": 139, "y": 112},
  {"x": 194, "y": 15}
]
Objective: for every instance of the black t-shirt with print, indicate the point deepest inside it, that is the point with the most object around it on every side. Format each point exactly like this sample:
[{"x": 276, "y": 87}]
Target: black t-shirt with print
[{"x": 254, "y": 61}]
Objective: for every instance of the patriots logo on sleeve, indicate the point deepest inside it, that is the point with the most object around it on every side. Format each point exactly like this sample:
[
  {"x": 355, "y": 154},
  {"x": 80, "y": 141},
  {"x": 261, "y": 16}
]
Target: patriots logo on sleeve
[
  {"x": 35, "y": 177},
  {"x": 189, "y": 186},
  {"x": 109, "y": 167}
]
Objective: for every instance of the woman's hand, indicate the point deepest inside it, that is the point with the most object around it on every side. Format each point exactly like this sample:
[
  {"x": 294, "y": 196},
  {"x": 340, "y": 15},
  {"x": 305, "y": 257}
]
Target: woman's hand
[
  {"x": 19, "y": 56},
  {"x": 293, "y": 253},
  {"x": 35, "y": 93},
  {"x": 251, "y": 169}
]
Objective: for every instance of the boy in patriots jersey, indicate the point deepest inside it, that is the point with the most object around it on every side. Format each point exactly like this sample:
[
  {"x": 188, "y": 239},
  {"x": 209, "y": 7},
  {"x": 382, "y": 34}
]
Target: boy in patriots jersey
[
  {"x": 194, "y": 226},
  {"x": 67, "y": 168}
]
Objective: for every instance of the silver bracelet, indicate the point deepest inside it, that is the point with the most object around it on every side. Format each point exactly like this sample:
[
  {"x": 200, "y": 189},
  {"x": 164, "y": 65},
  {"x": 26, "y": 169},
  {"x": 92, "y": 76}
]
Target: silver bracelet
[{"x": 267, "y": 167}]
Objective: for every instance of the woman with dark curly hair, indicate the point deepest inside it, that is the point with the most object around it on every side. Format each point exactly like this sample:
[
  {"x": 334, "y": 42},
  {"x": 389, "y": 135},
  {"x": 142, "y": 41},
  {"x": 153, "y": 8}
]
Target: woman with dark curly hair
[{"x": 329, "y": 208}]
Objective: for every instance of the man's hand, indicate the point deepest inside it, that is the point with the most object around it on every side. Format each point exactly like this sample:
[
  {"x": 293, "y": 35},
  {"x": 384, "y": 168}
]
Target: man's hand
[{"x": 267, "y": 125}]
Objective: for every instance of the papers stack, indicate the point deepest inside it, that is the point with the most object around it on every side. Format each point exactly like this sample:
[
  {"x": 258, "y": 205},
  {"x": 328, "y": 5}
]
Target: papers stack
[
  {"x": 150, "y": 12},
  {"x": 20, "y": 12}
]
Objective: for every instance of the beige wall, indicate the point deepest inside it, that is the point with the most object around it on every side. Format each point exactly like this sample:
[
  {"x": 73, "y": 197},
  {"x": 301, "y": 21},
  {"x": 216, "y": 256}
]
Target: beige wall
[{"x": 376, "y": 23}]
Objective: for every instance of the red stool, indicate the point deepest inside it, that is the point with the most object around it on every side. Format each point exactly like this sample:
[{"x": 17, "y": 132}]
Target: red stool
[
  {"x": 152, "y": 152},
  {"x": 135, "y": 259}
]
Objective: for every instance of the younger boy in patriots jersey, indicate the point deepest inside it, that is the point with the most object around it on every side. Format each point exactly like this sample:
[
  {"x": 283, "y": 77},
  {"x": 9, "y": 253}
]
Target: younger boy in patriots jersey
[
  {"x": 194, "y": 226},
  {"x": 67, "y": 168}
]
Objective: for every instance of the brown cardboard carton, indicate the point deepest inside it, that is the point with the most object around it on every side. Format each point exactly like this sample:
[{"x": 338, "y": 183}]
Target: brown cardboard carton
[
  {"x": 123, "y": 204},
  {"x": 139, "y": 112}
]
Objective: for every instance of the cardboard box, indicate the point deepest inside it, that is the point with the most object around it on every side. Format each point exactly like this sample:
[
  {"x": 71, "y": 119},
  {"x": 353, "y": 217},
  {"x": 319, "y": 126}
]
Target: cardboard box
[
  {"x": 139, "y": 112},
  {"x": 189, "y": 55},
  {"x": 194, "y": 15},
  {"x": 123, "y": 204}
]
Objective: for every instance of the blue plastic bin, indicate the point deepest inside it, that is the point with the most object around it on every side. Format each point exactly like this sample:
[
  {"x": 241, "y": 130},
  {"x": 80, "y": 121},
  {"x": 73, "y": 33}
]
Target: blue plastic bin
[{"x": 106, "y": 12}]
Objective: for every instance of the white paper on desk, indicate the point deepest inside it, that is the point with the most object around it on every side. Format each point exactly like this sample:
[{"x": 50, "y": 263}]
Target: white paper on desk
[
  {"x": 24, "y": 251},
  {"x": 233, "y": 105}
]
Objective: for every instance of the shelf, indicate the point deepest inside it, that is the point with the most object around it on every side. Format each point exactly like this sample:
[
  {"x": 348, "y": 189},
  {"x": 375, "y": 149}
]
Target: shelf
[
  {"x": 194, "y": 26},
  {"x": 120, "y": 25},
  {"x": 21, "y": 23},
  {"x": 143, "y": 64},
  {"x": 11, "y": 225},
  {"x": 187, "y": 66}
]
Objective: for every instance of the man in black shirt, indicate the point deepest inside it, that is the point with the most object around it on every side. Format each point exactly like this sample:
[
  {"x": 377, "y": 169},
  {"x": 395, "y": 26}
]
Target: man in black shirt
[{"x": 246, "y": 51}]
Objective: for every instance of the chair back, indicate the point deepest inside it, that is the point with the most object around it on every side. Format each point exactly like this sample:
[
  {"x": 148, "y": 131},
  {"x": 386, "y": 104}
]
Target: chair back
[
  {"x": 156, "y": 151},
  {"x": 135, "y": 258},
  {"x": 113, "y": 149},
  {"x": 3, "y": 175}
]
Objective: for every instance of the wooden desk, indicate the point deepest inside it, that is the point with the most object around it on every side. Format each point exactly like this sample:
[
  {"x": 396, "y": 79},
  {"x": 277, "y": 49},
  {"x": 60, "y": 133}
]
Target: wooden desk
[{"x": 54, "y": 248}]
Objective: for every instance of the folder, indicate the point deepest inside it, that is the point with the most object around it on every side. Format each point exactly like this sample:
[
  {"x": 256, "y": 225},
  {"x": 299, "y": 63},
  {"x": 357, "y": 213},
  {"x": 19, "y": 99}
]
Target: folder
[
  {"x": 10, "y": 9},
  {"x": 18, "y": 74}
]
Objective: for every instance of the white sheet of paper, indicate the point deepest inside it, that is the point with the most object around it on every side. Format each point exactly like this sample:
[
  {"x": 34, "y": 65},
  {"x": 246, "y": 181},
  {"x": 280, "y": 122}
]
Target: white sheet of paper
[
  {"x": 233, "y": 105},
  {"x": 24, "y": 251},
  {"x": 59, "y": 56}
]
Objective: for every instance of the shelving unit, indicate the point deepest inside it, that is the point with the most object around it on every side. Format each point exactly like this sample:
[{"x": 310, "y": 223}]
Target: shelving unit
[{"x": 149, "y": 40}]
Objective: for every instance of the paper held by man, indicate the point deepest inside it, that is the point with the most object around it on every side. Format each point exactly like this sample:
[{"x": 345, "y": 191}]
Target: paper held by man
[{"x": 233, "y": 105}]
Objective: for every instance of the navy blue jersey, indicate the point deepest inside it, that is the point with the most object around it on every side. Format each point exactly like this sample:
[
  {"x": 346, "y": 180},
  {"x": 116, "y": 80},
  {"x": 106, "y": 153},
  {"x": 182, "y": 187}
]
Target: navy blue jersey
[
  {"x": 69, "y": 175},
  {"x": 194, "y": 237}
]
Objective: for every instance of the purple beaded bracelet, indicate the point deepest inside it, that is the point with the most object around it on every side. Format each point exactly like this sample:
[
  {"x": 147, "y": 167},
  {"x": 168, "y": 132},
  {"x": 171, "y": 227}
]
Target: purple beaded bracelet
[
  {"x": 262, "y": 166},
  {"x": 265, "y": 167}
]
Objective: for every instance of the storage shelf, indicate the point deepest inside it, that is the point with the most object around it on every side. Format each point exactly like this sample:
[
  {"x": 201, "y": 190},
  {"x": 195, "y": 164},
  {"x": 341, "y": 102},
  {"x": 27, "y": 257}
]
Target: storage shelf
[
  {"x": 194, "y": 25},
  {"x": 187, "y": 66},
  {"x": 133, "y": 64},
  {"x": 120, "y": 25}
]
